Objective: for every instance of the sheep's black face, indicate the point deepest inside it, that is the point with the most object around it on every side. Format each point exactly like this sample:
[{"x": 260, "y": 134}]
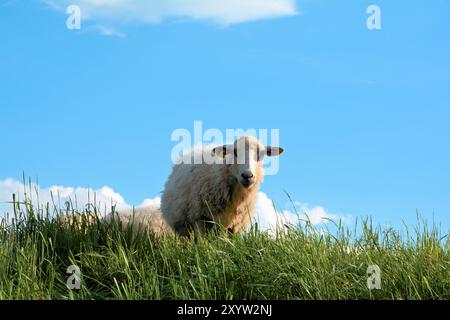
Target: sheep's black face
[{"x": 246, "y": 156}]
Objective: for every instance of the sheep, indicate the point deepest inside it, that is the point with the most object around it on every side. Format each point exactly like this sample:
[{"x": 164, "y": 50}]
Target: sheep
[
  {"x": 142, "y": 218},
  {"x": 201, "y": 195}
]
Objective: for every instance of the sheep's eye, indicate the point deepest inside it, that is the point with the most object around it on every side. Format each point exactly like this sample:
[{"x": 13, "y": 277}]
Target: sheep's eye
[{"x": 260, "y": 155}]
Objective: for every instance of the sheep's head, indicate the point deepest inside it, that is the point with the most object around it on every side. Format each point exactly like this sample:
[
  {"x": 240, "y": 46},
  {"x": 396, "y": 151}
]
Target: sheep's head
[{"x": 245, "y": 157}]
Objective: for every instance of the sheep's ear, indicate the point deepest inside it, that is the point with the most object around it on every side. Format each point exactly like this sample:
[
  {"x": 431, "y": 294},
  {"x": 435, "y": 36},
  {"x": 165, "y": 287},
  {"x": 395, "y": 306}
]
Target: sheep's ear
[
  {"x": 220, "y": 151},
  {"x": 274, "y": 151}
]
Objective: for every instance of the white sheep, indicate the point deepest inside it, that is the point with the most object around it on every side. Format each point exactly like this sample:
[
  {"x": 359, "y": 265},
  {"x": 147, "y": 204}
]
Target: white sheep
[
  {"x": 213, "y": 186},
  {"x": 142, "y": 218}
]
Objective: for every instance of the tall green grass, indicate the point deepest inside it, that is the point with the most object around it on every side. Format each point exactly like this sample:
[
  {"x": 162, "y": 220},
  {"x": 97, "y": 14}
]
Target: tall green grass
[{"x": 36, "y": 247}]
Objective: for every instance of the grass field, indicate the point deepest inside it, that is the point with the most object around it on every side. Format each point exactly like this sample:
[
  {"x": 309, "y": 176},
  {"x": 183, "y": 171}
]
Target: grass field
[{"x": 36, "y": 249}]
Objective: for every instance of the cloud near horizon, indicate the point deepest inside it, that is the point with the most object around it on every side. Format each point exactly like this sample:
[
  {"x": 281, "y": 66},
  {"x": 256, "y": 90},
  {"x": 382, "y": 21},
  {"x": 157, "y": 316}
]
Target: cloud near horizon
[
  {"x": 266, "y": 216},
  {"x": 269, "y": 218},
  {"x": 222, "y": 12}
]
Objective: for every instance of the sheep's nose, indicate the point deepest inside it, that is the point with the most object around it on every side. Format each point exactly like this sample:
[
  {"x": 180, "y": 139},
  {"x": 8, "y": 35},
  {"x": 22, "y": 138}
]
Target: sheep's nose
[{"x": 247, "y": 175}]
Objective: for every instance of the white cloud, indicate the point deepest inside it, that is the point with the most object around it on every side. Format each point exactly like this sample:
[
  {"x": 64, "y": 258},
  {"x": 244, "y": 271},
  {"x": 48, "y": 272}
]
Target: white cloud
[
  {"x": 108, "y": 31},
  {"x": 104, "y": 197},
  {"x": 265, "y": 214},
  {"x": 268, "y": 218},
  {"x": 224, "y": 12},
  {"x": 151, "y": 202}
]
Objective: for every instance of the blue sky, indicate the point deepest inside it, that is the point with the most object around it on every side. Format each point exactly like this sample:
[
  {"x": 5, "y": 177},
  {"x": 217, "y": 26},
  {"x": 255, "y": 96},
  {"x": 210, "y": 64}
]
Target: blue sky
[{"x": 363, "y": 114}]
